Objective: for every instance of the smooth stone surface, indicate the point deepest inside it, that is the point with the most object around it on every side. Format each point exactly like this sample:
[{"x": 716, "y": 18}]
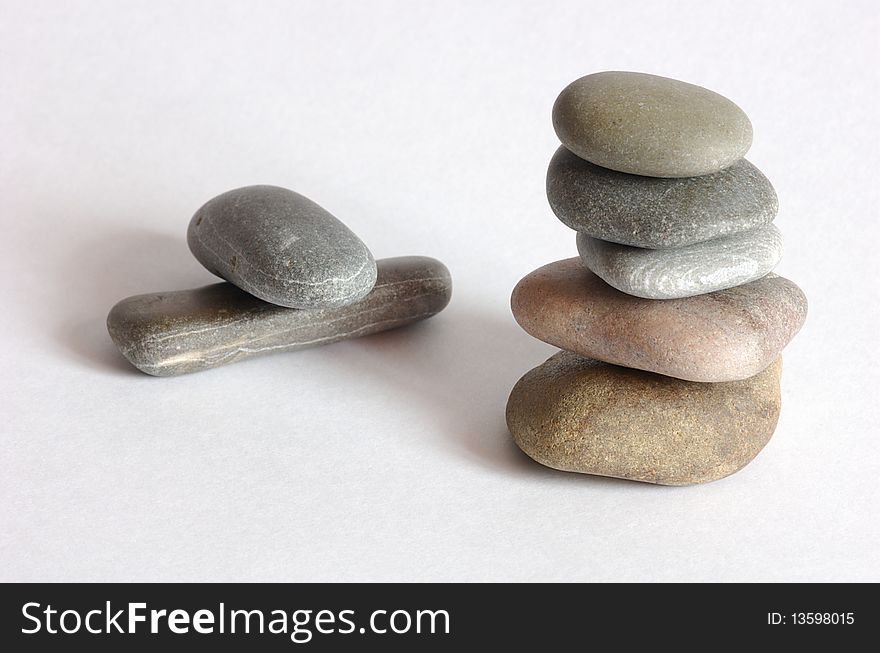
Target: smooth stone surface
[
  {"x": 281, "y": 247},
  {"x": 580, "y": 415},
  {"x": 170, "y": 333},
  {"x": 650, "y": 125},
  {"x": 658, "y": 213},
  {"x": 694, "y": 270},
  {"x": 721, "y": 336}
]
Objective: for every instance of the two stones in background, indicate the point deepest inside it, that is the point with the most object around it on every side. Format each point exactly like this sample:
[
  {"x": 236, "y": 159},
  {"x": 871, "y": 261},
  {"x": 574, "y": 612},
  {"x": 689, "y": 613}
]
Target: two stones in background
[
  {"x": 280, "y": 252},
  {"x": 652, "y": 178}
]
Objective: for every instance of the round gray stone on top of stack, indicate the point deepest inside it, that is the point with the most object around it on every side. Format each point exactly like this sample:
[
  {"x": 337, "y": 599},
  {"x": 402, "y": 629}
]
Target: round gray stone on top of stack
[
  {"x": 693, "y": 270},
  {"x": 658, "y": 213},
  {"x": 650, "y": 125},
  {"x": 282, "y": 248}
]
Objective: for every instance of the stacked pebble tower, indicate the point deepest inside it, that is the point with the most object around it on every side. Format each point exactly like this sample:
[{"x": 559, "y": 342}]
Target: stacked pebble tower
[{"x": 670, "y": 319}]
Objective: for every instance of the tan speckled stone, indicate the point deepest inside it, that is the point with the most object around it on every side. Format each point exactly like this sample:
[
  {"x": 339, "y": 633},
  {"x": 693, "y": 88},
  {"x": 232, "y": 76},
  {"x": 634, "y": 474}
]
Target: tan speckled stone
[
  {"x": 726, "y": 335},
  {"x": 579, "y": 415}
]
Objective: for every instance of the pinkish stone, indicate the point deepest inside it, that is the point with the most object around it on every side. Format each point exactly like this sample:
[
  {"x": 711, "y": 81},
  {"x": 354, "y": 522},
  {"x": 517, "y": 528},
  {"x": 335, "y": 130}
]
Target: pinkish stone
[{"x": 726, "y": 335}]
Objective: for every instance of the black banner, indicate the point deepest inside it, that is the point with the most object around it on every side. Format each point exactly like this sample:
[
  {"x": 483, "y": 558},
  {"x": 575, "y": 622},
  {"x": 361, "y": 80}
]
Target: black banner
[{"x": 319, "y": 617}]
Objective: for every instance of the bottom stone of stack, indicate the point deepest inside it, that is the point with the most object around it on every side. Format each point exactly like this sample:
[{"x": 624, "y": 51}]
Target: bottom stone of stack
[{"x": 580, "y": 415}]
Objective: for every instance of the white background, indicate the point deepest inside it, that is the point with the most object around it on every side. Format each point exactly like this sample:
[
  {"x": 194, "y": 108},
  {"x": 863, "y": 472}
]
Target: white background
[{"x": 426, "y": 128}]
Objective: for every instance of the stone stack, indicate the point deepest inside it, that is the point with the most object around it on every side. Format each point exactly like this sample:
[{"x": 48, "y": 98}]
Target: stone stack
[
  {"x": 296, "y": 277},
  {"x": 671, "y": 319}
]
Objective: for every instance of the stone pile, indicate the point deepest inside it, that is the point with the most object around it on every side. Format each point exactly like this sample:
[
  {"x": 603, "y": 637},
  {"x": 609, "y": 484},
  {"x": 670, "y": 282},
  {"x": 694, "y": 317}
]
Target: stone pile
[{"x": 671, "y": 319}]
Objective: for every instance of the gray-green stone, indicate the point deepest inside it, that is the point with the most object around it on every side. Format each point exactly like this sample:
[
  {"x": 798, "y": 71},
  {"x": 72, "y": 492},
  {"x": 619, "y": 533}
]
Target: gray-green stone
[
  {"x": 170, "y": 333},
  {"x": 693, "y": 270},
  {"x": 658, "y": 213},
  {"x": 650, "y": 125},
  {"x": 281, "y": 247}
]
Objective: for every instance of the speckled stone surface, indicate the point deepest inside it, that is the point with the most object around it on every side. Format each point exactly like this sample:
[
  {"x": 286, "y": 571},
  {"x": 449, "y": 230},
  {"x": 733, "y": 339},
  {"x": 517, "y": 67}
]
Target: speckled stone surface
[
  {"x": 726, "y": 335},
  {"x": 170, "y": 333},
  {"x": 658, "y": 213},
  {"x": 281, "y": 247},
  {"x": 650, "y": 125},
  {"x": 580, "y": 415},
  {"x": 693, "y": 270}
]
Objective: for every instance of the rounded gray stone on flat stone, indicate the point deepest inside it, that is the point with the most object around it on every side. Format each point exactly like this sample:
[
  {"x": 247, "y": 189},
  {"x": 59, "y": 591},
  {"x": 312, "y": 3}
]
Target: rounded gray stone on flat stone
[
  {"x": 658, "y": 213},
  {"x": 281, "y": 247},
  {"x": 693, "y": 270},
  {"x": 171, "y": 333},
  {"x": 650, "y": 125}
]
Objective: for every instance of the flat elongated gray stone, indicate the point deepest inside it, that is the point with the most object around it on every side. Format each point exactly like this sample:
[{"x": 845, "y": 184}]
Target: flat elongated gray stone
[
  {"x": 170, "y": 333},
  {"x": 693, "y": 270},
  {"x": 281, "y": 247},
  {"x": 650, "y": 125},
  {"x": 658, "y": 213}
]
